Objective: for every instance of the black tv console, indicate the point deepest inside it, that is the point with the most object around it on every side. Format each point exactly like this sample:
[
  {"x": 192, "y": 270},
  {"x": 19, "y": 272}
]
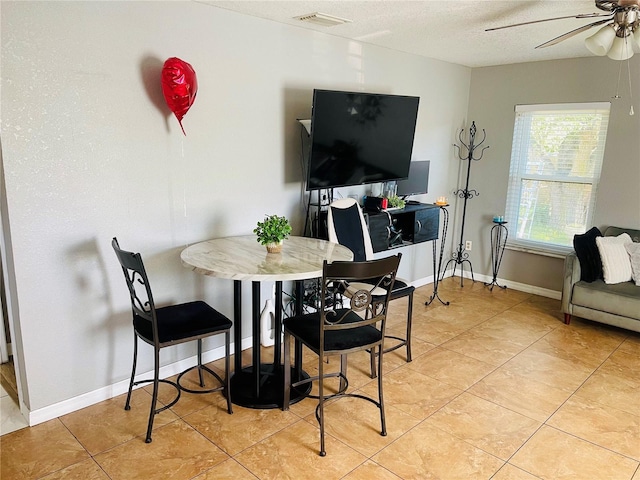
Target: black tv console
[
  {"x": 415, "y": 223},
  {"x": 391, "y": 228}
]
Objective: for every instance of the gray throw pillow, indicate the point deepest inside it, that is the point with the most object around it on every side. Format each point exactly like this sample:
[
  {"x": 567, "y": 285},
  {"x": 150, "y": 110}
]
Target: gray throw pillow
[{"x": 633, "y": 249}]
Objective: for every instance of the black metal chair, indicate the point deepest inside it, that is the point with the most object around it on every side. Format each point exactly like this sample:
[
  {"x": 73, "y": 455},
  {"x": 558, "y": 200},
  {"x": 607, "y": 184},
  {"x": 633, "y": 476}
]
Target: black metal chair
[
  {"x": 165, "y": 326},
  {"x": 334, "y": 330},
  {"x": 347, "y": 227}
]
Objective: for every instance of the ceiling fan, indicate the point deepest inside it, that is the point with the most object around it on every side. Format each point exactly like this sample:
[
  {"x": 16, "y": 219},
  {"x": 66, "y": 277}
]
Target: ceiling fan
[{"x": 615, "y": 39}]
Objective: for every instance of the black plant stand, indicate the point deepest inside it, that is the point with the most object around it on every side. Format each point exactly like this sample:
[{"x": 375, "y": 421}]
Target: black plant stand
[
  {"x": 460, "y": 257},
  {"x": 499, "y": 234},
  {"x": 437, "y": 270}
]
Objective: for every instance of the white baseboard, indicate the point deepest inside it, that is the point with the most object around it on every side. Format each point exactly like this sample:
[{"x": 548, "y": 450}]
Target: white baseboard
[
  {"x": 56, "y": 410},
  {"x": 421, "y": 282},
  {"x": 521, "y": 287}
]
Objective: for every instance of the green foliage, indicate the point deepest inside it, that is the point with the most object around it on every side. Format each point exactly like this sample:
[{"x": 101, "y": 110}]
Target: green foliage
[
  {"x": 273, "y": 229},
  {"x": 395, "y": 201}
]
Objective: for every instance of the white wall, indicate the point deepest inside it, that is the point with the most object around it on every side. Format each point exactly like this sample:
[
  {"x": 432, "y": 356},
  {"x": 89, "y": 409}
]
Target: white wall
[
  {"x": 90, "y": 151},
  {"x": 494, "y": 93}
]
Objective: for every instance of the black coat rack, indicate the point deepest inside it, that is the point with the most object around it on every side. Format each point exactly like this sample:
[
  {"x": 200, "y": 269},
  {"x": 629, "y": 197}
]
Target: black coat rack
[{"x": 461, "y": 256}]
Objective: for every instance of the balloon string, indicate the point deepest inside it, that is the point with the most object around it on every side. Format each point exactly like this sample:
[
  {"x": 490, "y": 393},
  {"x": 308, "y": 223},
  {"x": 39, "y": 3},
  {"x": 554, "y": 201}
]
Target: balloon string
[{"x": 184, "y": 197}]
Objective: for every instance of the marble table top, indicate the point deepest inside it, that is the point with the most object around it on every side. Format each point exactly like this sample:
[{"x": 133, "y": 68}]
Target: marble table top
[{"x": 243, "y": 258}]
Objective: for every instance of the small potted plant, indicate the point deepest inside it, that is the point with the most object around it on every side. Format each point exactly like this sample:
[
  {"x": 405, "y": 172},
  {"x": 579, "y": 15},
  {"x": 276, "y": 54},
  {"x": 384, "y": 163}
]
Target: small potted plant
[
  {"x": 272, "y": 231},
  {"x": 396, "y": 202}
]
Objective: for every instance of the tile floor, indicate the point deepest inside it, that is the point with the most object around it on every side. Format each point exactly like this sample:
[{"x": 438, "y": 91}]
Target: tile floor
[
  {"x": 499, "y": 388},
  {"x": 10, "y": 416}
]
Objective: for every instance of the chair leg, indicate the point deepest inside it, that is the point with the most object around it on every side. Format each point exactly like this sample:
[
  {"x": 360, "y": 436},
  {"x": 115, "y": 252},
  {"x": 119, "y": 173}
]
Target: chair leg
[
  {"x": 227, "y": 368},
  {"x": 409, "y": 321},
  {"x": 372, "y": 352},
  {"x": 287, "y": 371},
  {"x": 298, "y": 358},
  {"x": 407, "y": 341},
  {"x": 127, "y": 404},
  {"x": 372, "y": 361},
  {"x": 383, "y": 421},
  {"x": 320, "y": 413},
  {"x": 154, "y": 396},
  {"x": 200, "y": 378},
  {"x": 567, "y": 318},
  {"x": 343, "y": 370}
]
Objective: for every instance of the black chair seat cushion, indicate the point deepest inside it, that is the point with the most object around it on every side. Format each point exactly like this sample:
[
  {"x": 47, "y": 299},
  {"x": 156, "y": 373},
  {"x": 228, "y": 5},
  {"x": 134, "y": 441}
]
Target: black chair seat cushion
[
  {"x": 186, "y": 320},
  {"x": 307, "y": 329}
]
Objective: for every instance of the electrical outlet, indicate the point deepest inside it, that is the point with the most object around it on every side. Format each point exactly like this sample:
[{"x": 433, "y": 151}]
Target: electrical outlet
[{"x": 468, "y": 245}]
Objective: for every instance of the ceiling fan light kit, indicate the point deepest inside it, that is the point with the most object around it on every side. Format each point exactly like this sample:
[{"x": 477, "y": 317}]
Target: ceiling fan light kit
[
  {"x": 616, "y": 39},
  {"x": 621, "y": 49},
  {"x": 600, "y": 42}
]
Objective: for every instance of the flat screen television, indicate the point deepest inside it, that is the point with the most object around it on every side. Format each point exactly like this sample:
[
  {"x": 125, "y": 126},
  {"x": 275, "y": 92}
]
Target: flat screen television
[
  {"x": 359, "y": 138},
  {"x": 417, "y": 183}
]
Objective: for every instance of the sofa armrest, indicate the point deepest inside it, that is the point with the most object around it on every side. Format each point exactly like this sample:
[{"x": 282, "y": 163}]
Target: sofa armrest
[{"x": 571, "y": 277}]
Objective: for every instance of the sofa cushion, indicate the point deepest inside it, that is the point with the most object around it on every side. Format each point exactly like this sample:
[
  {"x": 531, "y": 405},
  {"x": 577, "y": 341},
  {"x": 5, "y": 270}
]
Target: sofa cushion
[
  {"x": 620, "y": 299},
  {"x": 616, "y": 265},
  {"x": 633, "y": 249},
  {"x": 588, "y": 255}
]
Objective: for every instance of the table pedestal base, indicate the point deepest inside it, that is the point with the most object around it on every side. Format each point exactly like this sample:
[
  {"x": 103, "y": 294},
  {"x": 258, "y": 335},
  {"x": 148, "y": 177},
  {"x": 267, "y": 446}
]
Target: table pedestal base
[{"x": 270, "y": 389}]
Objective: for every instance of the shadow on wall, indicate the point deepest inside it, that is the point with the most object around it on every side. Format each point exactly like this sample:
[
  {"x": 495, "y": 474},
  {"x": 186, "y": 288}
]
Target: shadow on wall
[
  {"x": 95, "y": 302},
  {"x": 171, "y": 284},
  {"x": 151, "y": 73},
  {"x": 297, "y": 105}
]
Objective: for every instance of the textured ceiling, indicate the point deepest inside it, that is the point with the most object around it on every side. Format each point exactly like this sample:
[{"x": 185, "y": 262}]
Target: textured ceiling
[{"x": 453, "y": 31}]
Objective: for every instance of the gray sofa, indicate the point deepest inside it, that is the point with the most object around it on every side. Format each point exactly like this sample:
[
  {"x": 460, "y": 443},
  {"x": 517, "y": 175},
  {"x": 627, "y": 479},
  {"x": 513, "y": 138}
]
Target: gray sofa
[{"x": 617, "y": 304}]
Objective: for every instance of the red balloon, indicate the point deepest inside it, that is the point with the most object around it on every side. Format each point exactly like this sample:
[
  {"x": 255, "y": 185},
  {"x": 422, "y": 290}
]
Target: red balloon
[{"x": 179, "y": 86}]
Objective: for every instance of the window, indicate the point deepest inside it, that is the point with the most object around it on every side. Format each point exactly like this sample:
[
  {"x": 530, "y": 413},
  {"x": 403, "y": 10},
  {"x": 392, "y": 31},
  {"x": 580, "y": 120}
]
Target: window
[{"x": 556, "y": 158}]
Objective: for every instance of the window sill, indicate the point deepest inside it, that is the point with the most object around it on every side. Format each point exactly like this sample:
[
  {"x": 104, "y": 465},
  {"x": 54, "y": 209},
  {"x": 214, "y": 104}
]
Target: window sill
[{"x": 540, "y": 251}]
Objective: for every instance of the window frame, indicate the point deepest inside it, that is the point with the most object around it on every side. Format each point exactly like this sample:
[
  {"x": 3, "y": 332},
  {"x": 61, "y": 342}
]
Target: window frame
[{"x": 518, "y": 165}]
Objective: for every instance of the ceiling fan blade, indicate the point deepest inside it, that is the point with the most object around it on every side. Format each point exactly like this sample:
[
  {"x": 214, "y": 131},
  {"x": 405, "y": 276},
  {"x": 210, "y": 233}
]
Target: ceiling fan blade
[
  {"x": 571, "y": 33},
  {"x": 583, "y": 15}
]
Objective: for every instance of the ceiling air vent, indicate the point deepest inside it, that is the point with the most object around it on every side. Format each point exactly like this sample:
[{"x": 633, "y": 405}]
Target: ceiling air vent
[{"x": 322, "y": 19}]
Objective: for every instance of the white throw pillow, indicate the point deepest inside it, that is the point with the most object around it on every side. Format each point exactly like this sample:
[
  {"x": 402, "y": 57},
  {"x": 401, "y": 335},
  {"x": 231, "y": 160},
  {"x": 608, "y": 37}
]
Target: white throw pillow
[
  {"x": 633, "y": 249},
  {"x": 616, "y": 264}
]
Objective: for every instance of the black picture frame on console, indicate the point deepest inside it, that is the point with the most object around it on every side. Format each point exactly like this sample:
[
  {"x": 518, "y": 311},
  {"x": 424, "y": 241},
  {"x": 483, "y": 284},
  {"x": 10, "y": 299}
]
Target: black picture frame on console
[{"x": 359, "y": 138}]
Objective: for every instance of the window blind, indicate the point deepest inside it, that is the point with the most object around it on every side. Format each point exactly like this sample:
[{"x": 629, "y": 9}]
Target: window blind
[{"x": 556, "y": 160}]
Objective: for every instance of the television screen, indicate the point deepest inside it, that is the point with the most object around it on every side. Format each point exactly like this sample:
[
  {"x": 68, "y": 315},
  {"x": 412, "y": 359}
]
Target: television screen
[
  {"x": 359, "y": 138},
  {"x": 417, "y": 183}
]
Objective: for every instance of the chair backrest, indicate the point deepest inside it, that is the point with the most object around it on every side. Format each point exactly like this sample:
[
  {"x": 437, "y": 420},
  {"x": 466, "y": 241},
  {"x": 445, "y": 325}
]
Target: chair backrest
[
  {"x": 365, "y": 308},
  {"x": 347, "y": 227},
  {"x": 142, "y": 305}
]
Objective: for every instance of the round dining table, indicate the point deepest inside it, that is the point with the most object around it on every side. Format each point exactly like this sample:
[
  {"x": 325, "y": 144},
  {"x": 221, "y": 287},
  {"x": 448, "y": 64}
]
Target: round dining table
[{"x": 242, "y": 258}]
